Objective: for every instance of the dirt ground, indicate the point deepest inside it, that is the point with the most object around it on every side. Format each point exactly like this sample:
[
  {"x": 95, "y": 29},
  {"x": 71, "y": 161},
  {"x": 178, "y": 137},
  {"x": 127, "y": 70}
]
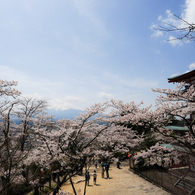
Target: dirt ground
[{"x": 121, "y": 182}]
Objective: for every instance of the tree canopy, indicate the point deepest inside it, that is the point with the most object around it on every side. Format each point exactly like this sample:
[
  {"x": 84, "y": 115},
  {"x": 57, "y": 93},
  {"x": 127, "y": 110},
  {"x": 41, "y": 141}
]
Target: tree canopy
[{"x": 36, "y": 142}]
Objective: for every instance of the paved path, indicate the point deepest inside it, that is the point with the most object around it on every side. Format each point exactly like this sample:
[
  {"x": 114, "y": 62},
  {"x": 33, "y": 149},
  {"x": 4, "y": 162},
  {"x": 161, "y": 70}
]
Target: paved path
[{"x": 121, "y": 182}]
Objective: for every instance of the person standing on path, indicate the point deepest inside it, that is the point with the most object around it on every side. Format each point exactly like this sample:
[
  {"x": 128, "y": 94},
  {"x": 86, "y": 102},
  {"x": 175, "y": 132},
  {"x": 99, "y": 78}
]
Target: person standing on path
[
  {"x": 118, "y": 164},
  {"x": 94, "y": 177},
  {"x": 41, "y": 179},
  {"x": 87, "y": 177},
  {"x": 103, "y": 170},
  {"x": 107, "y": 169}
]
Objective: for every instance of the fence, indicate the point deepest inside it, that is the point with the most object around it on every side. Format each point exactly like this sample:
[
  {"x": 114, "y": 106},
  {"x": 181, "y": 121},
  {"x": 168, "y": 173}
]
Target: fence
[{"x": 177, "y": 181}]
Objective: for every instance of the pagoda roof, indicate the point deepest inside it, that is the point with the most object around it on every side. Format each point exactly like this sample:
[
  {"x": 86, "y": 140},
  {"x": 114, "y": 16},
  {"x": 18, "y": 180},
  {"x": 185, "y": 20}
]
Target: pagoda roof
[
  {"x": 186, "y": 77},
  {"x": 176, "y": 146},
  {"x": 176, "y": 128}
]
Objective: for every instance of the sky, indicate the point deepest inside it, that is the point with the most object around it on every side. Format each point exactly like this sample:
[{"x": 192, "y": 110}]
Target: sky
[{"x": 76, "y": 53}]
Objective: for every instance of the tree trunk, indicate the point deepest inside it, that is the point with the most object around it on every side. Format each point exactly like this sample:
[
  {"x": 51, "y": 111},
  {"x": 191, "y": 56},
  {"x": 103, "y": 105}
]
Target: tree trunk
[{"x": 72, "y": 185}]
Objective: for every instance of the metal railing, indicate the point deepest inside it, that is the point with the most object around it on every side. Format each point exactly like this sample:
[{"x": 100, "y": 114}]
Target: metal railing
[{"x": 176, "y": 181}]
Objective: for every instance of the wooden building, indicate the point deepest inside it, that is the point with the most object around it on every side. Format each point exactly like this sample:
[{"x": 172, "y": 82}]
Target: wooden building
[{"x": 188, "y": 78}]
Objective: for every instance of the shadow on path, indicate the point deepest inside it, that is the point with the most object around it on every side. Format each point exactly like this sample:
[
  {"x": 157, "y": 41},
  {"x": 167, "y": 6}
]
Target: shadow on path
[{"x": 97, "y": 185}]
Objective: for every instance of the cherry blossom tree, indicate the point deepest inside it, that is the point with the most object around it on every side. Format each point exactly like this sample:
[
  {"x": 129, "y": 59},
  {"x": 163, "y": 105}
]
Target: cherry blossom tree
[
  {"x": 7, "y": 90},
  {"x": 104, "y": 129},
  {"x": 26, "y": 113},
  {"x": 178, "y": 103},
  {"x": 153, "y": 155},
  {"x": 7, "y": 93},
  {"x": 95, "y": 132},
  {"x": 17, "y": 117}
]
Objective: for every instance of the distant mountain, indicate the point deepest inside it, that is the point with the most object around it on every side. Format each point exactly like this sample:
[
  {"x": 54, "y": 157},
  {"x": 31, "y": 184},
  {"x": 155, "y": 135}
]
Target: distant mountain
[{"x": 67, "y": 114}]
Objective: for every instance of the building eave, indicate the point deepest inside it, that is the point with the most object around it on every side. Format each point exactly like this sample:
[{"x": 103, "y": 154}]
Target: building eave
[{"x": 182, "y": 78}]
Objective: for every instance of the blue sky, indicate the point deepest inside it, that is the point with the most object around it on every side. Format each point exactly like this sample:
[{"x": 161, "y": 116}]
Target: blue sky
[{"x": 75, "y": 53}]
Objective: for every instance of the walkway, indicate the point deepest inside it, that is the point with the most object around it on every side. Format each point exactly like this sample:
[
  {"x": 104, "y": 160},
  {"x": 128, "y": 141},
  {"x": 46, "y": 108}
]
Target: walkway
[{"x": 121, "y": 182}]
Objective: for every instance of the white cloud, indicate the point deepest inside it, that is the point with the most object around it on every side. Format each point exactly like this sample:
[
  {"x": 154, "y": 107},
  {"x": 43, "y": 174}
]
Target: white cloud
[
  {"x": 192, "y": 66},
  {"x": 160, "y": 17},
  {"x": 8, "y": 73},
  {"x": 40, "y": 88},
  {"x": 189, "y": 11},
  {"x": 174, "y": 41},
  {"x": 174, "y": 75},
  {"x": 106, "y": 96},
  {"x": 140, "y": 83},
  {"x": 74, "y": 99},
  {"x": 177, "y": 74},
  {"x": 65, "y": 103},
  {"x": 170, "y": 19},
  {"x": 34, "y": 96},
  {"x": 156, "y": 33}
]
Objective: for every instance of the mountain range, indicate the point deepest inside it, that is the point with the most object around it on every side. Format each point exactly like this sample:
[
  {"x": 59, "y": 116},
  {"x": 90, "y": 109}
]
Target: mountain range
[{"x": 67, "y": 114}]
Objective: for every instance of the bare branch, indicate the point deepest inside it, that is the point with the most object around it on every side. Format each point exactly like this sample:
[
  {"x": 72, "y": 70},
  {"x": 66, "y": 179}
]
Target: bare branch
[{"x": 185, "y": 29}]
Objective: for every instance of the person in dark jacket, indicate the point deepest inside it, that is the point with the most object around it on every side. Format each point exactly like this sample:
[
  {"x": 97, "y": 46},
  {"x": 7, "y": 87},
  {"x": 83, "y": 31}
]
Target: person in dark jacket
[
  {"x": 107, "y": 169},
  {"x": 87, "y": 178}
]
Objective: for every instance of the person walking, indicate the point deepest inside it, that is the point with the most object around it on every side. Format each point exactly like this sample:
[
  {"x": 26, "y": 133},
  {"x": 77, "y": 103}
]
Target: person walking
[
  {"x": 162, "y": 163},
  {"x": 172, "y": 162},
  {"x": 87, "y": 177},
  {"x": 118, "y": 164},
  {"x": 96, "y": 163},
  {"x": 94, "y": 177}
]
